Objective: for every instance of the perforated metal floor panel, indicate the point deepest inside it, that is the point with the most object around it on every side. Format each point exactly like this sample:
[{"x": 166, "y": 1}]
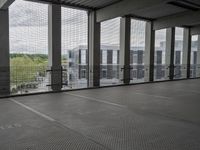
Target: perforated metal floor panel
[
  {"x": 21, "y": 129},
  {"x": 160, "y": 116}
]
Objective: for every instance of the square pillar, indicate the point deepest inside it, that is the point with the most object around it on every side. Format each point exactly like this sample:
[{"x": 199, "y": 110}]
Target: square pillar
[
  {"x": 149, "y": 53},
  {"x": 54, "y": 53},
  {"x": 94, "y": 51},
  {"x": 4, "y": 53},
  {"x": 186, "y": 53},
  {"x": 125, "y": 28},
  {"x": 169, "y": 56}
]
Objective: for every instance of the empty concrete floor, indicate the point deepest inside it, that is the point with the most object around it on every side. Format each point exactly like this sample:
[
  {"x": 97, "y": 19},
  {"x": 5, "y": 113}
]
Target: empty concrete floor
[{"x": 160, "y": 116}]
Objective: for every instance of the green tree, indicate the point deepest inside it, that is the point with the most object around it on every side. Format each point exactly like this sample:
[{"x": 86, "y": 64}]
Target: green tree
[{"x": 25, "y": 67}]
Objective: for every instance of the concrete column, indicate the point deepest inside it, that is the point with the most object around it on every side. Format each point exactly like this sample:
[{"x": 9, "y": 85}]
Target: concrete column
[
  {"x": 54, "y": 27},
  {"x": 169, "y": 55},
  {"x": 149, "y": 52},
  {"x": 125, "y": 28},
  {"x": 186, "y": 52},
  {"x": 198, "y": 58},
  {"x": 94, "y": 51},
  {"x": 4, "y": 53}
]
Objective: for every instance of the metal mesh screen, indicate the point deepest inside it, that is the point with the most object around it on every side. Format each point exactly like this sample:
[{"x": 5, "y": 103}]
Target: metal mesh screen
[
  {"x": 74, "y": 47},
  {"x": 179, "y": 67},
  {"x": 138, "y": 29},
  {"x": 110, "y": 45},
  {"x": 194, "y": 65},
  {"x": 28, "y": 46},
  {"x": 160, "y": 52}
]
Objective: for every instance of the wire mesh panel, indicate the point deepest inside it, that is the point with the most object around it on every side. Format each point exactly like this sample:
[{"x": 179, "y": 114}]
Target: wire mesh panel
[
  {"x": 179, "y": 68},
  {"x": 160, "y": 55},
  {"x": 194, "y": 66},
  {"x": 74, "y": 48},
  {"x": 28, "y": 46},
  {"x": 110, "y": 46},
  {"x": 138, "y": 29}
]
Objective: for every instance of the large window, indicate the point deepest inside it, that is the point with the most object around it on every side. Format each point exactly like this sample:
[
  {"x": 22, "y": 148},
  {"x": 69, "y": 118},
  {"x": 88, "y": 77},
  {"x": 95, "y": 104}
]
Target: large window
[
  {"x": 194, "y": 53},
  {"x": 28, "y": 46},
  {"x": 74, "y": 47},
  {"x": 160, "y": 52},
  {"x": 178, "y": 54},
  {"x": 137, "y": 52},
  {"x": 110, "y": 45}
]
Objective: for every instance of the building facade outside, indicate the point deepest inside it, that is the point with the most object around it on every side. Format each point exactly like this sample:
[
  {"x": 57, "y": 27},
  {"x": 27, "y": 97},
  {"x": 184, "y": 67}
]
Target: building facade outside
[
  {"x": 110, "y": 67},
  {"x": 75, "y": 66}
]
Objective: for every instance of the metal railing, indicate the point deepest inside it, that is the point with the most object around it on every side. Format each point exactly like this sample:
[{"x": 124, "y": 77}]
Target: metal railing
[{"x": 33, "y": 79}]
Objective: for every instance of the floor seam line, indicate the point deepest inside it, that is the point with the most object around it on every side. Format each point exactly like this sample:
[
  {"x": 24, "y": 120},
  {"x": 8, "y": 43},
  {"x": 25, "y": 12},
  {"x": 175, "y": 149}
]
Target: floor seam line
[
  {"x": 56, "y": 121},
  {"x": 96, "y": 100},
  {"x": 33, "y": 110}
]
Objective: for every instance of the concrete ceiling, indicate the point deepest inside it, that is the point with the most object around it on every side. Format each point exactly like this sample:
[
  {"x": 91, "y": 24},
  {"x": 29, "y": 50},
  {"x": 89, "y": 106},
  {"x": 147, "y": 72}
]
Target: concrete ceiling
[
  {"x": 166, "y": 9},
  {"x": 158, "y": 11},
  {"x": 87, "y": 4},
  {"x": 186, "y": 12}
]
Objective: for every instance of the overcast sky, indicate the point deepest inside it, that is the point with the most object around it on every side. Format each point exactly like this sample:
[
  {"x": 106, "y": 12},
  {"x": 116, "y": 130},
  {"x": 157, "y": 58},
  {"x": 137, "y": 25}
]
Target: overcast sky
[{"x": 29, "y": 29}]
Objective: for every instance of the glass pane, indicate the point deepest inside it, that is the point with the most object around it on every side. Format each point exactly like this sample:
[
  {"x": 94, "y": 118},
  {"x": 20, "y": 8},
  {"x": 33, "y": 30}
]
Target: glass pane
[
  {"x": 28, "y": 46},
  {"x": 74, "y": 48},
  {"x": 110, "y": 45},
  {"x": 160, "y": 51},
  {"x": 138, "y": 29}
]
